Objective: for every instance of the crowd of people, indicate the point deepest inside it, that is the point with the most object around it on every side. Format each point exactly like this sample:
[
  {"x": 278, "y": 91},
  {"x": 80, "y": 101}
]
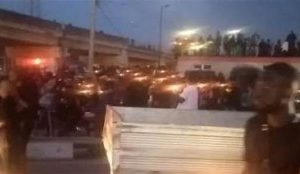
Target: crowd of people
[
  {"x": 239, "y": 45},
  {"x": 76, "y": 104},
  {"x": 69, "y": 103},
  {"x": 39, "y": 103}
]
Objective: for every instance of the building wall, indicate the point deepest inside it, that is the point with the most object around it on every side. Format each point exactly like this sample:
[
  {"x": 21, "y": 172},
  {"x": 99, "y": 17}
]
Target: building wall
[{"x": 225, "y": 64}]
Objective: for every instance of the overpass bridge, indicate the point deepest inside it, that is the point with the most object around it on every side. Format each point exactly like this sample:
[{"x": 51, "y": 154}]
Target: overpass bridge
[{"x": 23, "y": 31}]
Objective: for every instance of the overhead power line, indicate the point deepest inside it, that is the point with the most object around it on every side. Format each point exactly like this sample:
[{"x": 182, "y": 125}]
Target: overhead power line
[{"x": 111, "y": 22}]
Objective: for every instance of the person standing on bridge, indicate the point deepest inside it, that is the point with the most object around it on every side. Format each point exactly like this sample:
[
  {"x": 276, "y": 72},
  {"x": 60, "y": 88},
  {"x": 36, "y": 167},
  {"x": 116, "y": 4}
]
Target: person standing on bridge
[{"x": 272, "y": 137}]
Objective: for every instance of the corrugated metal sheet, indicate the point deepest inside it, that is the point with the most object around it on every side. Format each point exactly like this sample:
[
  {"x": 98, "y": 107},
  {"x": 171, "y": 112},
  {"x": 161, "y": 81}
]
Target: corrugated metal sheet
[{"x": 199, "y": 146}]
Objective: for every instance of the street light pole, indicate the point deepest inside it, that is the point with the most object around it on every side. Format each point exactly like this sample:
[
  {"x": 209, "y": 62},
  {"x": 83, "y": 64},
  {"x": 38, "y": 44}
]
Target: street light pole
[
  {"x": 92, "y": 36},
  {"x": 160, "y": 31}
]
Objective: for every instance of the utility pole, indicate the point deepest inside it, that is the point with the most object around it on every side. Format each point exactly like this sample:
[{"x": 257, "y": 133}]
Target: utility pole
[
  {"x": 31, "y": 7},
  {"x": 160, "y": 31},
  {"x": 92, "y": 35},
  {"x": 34, "y": 8}
]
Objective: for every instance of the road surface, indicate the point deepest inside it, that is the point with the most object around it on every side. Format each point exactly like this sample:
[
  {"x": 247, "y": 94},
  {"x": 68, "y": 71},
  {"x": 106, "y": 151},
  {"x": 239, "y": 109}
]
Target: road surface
[{"x": 69, "y": 167}]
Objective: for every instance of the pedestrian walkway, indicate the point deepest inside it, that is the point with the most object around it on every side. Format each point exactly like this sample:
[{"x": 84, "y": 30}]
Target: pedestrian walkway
[
  {"x": 65, "y": 148},
  {"x": 88, "y": 157}
]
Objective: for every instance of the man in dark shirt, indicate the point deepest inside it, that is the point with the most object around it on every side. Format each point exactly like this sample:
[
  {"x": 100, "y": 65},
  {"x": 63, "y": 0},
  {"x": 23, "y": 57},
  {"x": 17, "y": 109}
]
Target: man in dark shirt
[
  {"x": 12, "y": 130},
  {"x": 272, "y": 137}
]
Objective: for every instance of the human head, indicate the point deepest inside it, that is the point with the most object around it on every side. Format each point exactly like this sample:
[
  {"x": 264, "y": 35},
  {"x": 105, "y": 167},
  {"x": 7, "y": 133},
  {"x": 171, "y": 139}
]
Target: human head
[
  {"x": 191, "y": 78},
  {"x": 5, "y": 87},
  {"x": 273, "y": 88}
]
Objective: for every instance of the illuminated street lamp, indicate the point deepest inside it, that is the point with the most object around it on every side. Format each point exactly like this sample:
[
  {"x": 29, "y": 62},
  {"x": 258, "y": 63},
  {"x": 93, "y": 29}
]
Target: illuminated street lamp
[
  {"x": 234, "y": 32},
  {"x": 187, "y": 33}
]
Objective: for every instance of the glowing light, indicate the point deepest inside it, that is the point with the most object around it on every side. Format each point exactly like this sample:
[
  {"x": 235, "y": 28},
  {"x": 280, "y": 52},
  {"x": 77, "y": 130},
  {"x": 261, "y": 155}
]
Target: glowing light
[
  {"x": 159, "y": 80},
  {"x": 89, "y": 85},
  {"x": 194, "y": 43},
  {"x": 202, "y": 85},
  {"x": 223, "y": 85},
  {"x": 175, "y": 87},
  {"x": 177, "y": 43},
  {"x": 228, "y": 90},
  {"x": 121, "y": 74},
  {"x": 85, "y": 91},
  {"x": 297, "y": 100},
  {"x": 198, "y": 46},
  {"x": 187, "y": 33},
  {"x": 233, "y": 32},
  {"x": 136, "y": 74},
  {"x": 37, "y": 61},
  {"x": 173, "y": 76},
  {"x": 100, "y": 91},
  {"x": 143, "y": 78}
]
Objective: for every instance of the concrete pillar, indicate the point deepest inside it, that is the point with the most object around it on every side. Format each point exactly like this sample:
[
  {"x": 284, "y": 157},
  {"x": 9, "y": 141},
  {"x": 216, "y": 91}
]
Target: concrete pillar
[
  {"x": 107, "y": 60},
  {"x": 162, "y": 60},
  {"x": 122, "y": 58}
]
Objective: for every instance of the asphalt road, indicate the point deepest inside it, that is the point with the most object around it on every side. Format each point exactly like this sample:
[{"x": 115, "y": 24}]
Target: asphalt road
[{"x": 98, "y": 166}]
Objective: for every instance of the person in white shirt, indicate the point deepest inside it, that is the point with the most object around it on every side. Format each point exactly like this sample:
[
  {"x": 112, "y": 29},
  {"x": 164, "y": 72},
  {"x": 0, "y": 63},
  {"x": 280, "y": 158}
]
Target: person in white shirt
[{"x": 188, "y": 98}]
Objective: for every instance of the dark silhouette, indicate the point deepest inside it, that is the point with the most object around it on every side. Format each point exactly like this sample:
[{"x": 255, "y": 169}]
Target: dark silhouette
[
  {"x": 136, "y": 95},
  {"x": 221, "y": 78},
  {"x": 277, "y": 49},
  {"x": 298, "y": 46},
  {"x": 226, "y": 45},
  {"x": 210, "y": 50},
  {"x": 239, "y": 45},
  {"x": 218, "y": 43},
  {"x": 231, "y": 46},
  {"x": 11, "y": 129},
  {"x": 272, "y": 136},
  {"x": 242, "y": 45},
  {"x": 291, "y": 39},
  {"x": 268, "y": 48},
  {"x": 253, "y": 44},
  {"x": 262, "y": 48},
  {"x": 201, "y": 41}
]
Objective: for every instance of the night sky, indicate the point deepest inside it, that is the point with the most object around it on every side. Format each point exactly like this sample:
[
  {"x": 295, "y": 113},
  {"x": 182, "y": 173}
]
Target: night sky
[{"x": 139, "y": 19}]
